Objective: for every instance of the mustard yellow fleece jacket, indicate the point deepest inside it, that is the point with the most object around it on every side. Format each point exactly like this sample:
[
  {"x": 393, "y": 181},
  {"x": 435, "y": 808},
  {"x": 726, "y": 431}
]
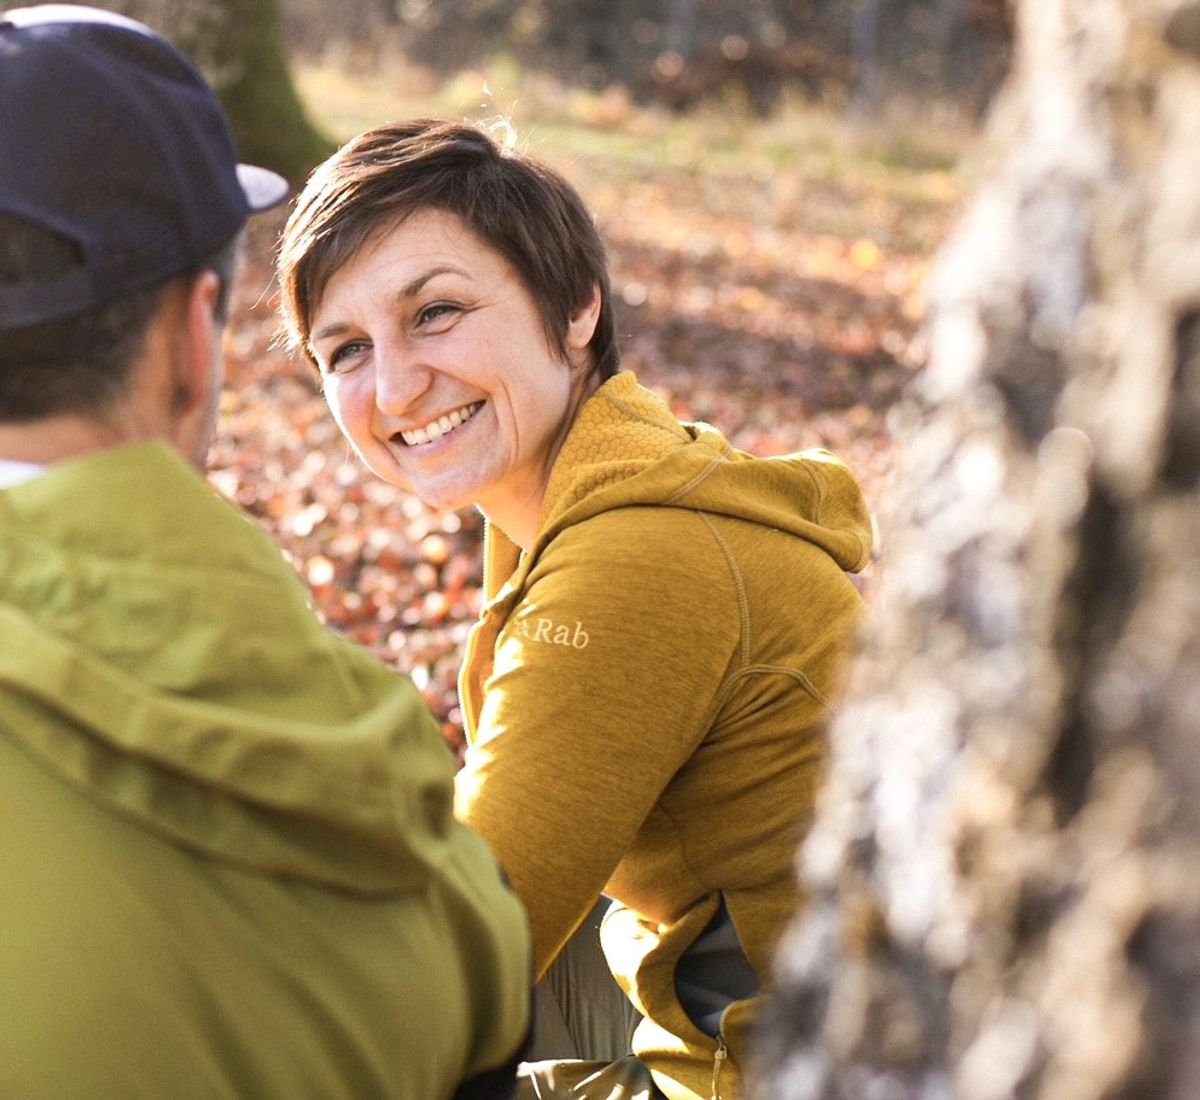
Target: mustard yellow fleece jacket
[{"x": 644, "y": 695}]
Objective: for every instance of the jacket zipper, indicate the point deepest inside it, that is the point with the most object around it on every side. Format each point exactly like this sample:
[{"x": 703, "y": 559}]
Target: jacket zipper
[
  {"x": 718, "y": 1061},
  {"x": 722, "y": 1052}
]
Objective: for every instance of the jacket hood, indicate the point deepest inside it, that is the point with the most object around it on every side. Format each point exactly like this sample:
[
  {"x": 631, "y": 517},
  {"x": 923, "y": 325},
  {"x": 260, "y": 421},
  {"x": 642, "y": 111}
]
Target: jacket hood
[
  {"x": 626, "y": 448},
  {"x": 159, "y": 654}
]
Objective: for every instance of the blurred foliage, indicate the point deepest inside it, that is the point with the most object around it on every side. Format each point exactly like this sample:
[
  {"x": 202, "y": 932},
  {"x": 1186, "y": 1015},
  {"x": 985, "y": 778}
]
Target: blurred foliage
[
  {"x": 749, "y": 54},
  {"x": 681, "y": 52}
]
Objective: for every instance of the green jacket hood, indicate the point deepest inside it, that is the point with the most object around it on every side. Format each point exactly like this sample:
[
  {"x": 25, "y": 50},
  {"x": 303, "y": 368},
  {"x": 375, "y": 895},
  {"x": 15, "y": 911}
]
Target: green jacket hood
[
  {"x": 160, "y": 655},
  {"x": 627, "y": 449}
]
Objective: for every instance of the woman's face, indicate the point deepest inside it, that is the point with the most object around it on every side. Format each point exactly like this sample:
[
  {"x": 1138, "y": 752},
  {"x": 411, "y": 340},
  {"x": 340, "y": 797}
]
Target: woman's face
[{"x": 438, "y": 370}]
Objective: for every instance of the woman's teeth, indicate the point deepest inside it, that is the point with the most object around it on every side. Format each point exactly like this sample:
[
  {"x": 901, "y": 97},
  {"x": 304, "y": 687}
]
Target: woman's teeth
[{"x": 440, "y": 427}]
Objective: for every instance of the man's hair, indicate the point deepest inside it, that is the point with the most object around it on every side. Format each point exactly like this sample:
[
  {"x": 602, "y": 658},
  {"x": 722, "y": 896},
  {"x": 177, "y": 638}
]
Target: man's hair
[
  {"x": 524, "y": 210},
  {"x": 82, "y": 364}
]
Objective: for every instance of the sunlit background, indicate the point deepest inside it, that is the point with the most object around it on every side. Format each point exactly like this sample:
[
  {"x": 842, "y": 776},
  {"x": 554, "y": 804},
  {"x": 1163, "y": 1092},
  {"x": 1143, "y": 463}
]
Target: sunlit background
[{"x": 771, "y": 177}]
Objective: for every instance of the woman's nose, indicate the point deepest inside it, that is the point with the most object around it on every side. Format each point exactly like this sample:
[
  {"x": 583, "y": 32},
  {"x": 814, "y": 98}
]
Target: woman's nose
[{"x": 400, "y": 381}]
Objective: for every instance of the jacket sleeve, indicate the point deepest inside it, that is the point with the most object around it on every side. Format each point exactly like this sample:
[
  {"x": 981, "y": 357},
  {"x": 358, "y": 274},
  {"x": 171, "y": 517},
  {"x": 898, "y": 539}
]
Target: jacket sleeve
[{"x": 605, "y": 680}]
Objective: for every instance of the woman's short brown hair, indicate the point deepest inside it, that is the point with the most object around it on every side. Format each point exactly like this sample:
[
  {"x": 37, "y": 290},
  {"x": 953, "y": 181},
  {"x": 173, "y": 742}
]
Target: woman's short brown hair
[{"x": 524, "y": 210}]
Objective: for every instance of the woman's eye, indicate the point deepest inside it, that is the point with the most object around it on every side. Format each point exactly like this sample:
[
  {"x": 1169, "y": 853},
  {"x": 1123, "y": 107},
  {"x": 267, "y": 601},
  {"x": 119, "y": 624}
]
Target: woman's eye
[
  {"x": 345, "y": 354},
  {"x": 439, "y": 312}
]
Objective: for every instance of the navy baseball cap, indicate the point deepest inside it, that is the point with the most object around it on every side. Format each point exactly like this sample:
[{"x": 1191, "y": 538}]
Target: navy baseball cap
[{"x": 110, "y": 137}]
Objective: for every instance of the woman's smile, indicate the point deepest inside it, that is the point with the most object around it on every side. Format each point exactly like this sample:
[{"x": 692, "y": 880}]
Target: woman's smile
[{"x": 439, "y": 427}]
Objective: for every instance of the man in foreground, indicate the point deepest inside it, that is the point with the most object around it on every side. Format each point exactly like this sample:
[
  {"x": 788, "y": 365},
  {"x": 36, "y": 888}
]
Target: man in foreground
[{"x": 229, "y": 861}]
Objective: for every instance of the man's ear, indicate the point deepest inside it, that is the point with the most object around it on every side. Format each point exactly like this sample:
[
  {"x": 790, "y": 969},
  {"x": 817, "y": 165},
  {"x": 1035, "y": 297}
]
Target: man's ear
[
  {"x": 582, "y": 325},
  {"x": 196, "y": 367},
  {"x": 197, "y": 343}
]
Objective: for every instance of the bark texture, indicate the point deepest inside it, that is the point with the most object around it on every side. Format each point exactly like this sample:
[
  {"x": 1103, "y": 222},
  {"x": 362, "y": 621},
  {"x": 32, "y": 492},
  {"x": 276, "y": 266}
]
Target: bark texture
[{"x": 1003, "y": 890}]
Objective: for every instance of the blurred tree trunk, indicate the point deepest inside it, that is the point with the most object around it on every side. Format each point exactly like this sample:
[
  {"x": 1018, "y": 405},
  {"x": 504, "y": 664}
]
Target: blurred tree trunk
[
  {"x": 1003, "y": 889},
  {"x": 865, "y": 43},
  {"x": 256, "y": 87},
  {"x": 240, "y": 46},
  {"x": 594, "y": 39},
  {"x": 681, "y": 29}
]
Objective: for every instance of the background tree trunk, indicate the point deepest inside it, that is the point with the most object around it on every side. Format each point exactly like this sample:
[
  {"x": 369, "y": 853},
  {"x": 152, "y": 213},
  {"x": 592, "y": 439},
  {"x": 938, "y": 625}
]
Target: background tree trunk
[
  {"x": 1003, "y": 888},
  {"x": 865, "y": 39},
  {"x": 240, "y": 46},
  {"x": 681, "y": 30},
  {"x": 256, "y": 87}
]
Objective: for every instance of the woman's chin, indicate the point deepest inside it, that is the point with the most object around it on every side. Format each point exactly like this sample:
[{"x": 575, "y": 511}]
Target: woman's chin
[{"x": 436, "y": 498}]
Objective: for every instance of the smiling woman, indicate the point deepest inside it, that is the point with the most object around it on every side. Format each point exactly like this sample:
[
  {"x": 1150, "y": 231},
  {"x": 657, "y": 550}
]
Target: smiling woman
[
  {"x": 437, "y": 369},
  {"x": 666, "y": 619}
]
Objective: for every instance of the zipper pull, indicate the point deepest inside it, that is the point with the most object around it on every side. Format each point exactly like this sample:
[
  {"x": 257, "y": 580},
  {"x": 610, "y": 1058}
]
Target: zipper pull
[{"x": 718, "y": 1062}]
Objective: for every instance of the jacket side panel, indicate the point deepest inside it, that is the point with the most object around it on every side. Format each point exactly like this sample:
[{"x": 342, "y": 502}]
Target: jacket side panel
[{"x": 741, "y": 804}]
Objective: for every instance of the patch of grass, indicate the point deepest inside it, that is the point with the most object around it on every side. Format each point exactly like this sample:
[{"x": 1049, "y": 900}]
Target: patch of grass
[{"x": 896, "y": 171}]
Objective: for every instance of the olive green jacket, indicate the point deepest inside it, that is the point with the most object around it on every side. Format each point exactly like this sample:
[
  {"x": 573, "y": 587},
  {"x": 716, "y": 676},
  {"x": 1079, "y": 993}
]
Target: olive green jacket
[
  {"x": 644, "y": 696},
  {"x": 227, "y": 850}
]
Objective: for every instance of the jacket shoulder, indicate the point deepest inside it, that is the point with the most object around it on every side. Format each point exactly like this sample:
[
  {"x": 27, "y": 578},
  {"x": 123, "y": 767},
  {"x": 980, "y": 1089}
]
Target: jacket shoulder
[{"x": 639, "y": 533}]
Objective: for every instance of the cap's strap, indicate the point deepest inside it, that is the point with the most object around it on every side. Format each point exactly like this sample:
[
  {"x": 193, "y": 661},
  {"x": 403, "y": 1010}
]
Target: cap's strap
[{"x": 24, "y": 304}]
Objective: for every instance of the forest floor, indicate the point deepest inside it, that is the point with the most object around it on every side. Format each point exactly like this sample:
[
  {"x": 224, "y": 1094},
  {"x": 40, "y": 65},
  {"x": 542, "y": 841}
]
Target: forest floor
[{"x": 769, "y": 278}]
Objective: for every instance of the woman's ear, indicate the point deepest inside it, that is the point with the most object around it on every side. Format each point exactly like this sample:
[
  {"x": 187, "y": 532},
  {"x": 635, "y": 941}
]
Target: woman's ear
[{"x": 582, "y": 325}]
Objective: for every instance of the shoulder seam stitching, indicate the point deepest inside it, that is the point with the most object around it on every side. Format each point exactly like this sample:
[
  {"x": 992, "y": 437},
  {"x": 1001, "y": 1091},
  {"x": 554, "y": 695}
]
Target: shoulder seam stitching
[
  {"x": 739, "y": 586},
  {"x": 820, "y": 491},
  {"x": 783, "y": 670}
]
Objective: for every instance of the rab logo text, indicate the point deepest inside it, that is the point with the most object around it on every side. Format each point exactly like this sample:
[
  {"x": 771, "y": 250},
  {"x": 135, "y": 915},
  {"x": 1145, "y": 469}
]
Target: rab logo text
[{"x": 543, "y": 630}]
